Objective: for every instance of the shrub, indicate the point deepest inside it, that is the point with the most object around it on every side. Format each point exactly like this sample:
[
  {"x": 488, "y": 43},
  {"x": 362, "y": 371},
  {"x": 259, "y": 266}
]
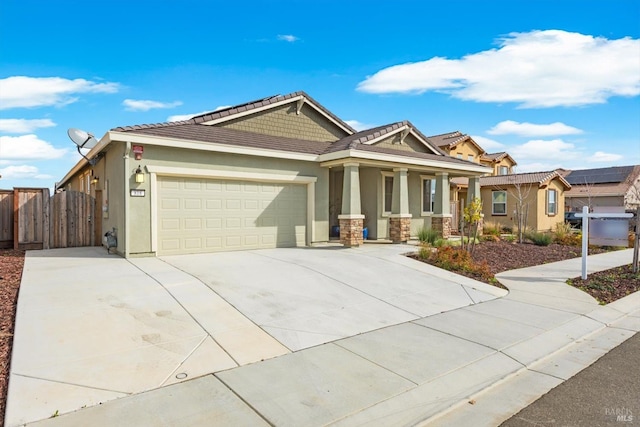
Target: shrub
[
  {"x": 491, "y": 229},
  {"x": 540, "y": 239},
  {"x": 453, "y": 259},
  {"x": 564, "y": 235},
  {"x": 427, "y": 235},
  {"x": 509, "y": 238},
  {"x": 424, "y": 252}
]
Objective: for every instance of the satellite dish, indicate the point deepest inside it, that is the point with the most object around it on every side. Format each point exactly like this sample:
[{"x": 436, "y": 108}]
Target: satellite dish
[
  {"x": 81, "y": 138},
  {"x": 85, "y": 140}
]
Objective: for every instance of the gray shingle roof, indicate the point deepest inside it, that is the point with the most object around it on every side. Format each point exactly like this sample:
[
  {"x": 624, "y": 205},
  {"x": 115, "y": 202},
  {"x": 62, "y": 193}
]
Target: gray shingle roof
[
  {"x": 523, "y": 178},
  {"x": 448, "y": 139},
  {"x": 227, "y": 136}
]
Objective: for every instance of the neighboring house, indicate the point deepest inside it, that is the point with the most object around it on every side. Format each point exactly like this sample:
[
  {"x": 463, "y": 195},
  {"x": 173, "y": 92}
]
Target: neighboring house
[
  {"x": 280, "y": 171},
  {"x": 543, "y": 193},
  {"x": 613, "y": 186},
  {"x": 463, "y": 146},
  {"x": 501, "y": 163}
]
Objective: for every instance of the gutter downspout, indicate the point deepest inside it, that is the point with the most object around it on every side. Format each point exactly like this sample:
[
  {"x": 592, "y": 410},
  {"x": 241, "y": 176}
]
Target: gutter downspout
[{"x": 127, "y": 177}]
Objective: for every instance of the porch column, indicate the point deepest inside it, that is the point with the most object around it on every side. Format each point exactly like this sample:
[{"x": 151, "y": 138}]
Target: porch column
[
  {"x": 400, "y": 218},
  {"x": 441, "y": 219},
  {"x": 351, "y": 218},
  {"x": 474, "y": 189},
  {"x": 472, "y": 193}
]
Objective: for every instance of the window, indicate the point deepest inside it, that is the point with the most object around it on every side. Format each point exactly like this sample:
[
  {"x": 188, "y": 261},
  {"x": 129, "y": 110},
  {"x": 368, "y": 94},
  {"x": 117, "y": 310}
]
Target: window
[
  {"x": 470, "y": 157},
  {"x": 428, "y": 194},
  {"x": 552, "y": 202},
  {"x": 459, "y": 155},
  {"x": 503, "y": 170},
  {"x": 499, "y": 202},
  {"x": 387, "y": 193}
]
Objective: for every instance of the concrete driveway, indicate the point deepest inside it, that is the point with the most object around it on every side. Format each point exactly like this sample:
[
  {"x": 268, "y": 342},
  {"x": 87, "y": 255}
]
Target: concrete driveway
[
  {"x": 93, "y": 327},
  {"x": 304, "y": 297}
]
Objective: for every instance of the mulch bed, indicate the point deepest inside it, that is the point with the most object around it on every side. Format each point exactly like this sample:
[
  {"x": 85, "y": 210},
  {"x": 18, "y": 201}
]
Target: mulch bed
[
  {"x": 503, "y": 256},
  {"x": 610, "y": 285},
  {"x": 11, "y": 263}
]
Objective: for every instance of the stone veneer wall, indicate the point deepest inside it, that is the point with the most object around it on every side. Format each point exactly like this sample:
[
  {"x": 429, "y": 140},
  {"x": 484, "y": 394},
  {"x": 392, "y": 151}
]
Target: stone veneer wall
[
  {"x": 351, "y": 232},
  {"x": 399, "y": 229},
  {"x": 442, "y": 225}
]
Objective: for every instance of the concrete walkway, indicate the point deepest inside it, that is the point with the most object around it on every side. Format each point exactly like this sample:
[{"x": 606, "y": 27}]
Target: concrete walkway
[{"x": 499, "y": 355}]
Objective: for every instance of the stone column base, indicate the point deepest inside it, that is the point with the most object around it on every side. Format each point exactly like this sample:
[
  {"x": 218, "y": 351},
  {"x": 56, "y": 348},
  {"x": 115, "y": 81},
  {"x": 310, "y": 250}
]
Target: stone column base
[
  {"x": 351, "y": 232},
  {"x": 442, "y": 225},
  {"x": 399, "y": 229}
]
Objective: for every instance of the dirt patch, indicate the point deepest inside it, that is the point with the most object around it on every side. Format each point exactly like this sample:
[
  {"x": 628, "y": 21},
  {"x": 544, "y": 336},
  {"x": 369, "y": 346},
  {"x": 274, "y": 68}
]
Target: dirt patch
[{"x": 11, "y": 264}]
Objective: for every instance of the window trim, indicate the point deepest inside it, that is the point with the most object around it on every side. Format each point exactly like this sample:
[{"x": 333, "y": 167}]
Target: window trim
[
  {"x": 424, "y": 178},
  {"x": 506, "y": 169},
  {"x": 471, "y": 157},
  {"x": 386, "y": 175},
  {"x": 493, "y": 203},
  {"x": 555, "y": 202}
]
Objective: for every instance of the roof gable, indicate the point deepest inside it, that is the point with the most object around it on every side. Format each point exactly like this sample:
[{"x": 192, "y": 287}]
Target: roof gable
[
  {"x": 448, "y": 141},
  {"x": 389, "y": 135},
  {"x": 539, "y": 178},
  {"x": 297, "y": 102}
]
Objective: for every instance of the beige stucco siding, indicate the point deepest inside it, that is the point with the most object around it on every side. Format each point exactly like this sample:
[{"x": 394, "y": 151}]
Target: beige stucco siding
[
  {"x": 548, "y": 222},
  {"x": 284, "y": 121},
  {"x": 465, "y": 148},
  {"x": 537, "y": 218}
]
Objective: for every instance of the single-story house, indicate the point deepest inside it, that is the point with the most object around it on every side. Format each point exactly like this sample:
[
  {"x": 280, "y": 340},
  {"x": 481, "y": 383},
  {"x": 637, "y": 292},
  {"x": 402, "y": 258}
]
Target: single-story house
[
  {"x": 613, "y": 186},
  {"x": 542, "y": 194},
  {"x": 280, "y": 171}
]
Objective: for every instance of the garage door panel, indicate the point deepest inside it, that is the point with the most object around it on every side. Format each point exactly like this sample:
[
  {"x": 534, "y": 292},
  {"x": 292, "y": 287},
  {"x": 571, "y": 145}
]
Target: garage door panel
[{"x": 201, "y": 215}]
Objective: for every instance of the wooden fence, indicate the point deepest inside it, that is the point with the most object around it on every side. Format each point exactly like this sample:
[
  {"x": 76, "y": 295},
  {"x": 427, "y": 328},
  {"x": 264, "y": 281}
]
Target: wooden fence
[
  {"x": 30, "y": 219},
  {"x": 6, "y": 219}
]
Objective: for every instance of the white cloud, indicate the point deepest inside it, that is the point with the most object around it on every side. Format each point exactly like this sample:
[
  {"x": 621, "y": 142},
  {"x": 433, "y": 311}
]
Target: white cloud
[
  {"x": 29, "y": 147},
  {"x": 530, "y": 129},
  {"x": 23, "y": 91},
  {"x": 540, "y": 149},
  {"x": 181, "y": 117},
  {"x": 358, "y": 125},
  {"x": 22, "y": 172},
  {"x": 488, "y": 144},
  {"x": 536, "y": 69},
  {"x": 146, "y": 105},
  {"x": 24, "y": 125},
  {"x": 602, "y": 157},
  {"x": 288, "y": 38},
  {"x": 537, "y": 167}
]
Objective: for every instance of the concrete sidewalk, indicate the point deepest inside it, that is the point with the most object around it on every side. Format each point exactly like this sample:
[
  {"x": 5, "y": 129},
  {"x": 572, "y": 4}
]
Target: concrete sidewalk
[{"x": 500, "y": 355}]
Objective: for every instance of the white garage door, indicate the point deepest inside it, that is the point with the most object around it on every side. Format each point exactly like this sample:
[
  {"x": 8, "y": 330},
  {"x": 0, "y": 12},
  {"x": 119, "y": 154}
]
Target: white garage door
[{"x": 207, "y": 215}]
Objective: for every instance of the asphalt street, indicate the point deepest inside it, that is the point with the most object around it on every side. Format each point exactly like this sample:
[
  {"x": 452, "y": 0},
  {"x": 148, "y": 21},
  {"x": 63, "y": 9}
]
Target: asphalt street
[{"x": 606, "y": 393}]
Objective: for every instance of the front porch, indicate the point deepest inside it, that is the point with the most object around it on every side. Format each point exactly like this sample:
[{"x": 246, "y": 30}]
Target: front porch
[{"x": 392, "y": 202}]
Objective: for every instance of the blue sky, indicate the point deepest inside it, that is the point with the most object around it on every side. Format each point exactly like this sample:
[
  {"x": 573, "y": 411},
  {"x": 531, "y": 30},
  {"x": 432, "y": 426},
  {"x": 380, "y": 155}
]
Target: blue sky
[{"x": 554, "y": 83}]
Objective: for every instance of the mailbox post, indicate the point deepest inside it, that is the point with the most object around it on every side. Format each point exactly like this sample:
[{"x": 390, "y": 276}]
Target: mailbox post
[{"x": 585, "y": 215}]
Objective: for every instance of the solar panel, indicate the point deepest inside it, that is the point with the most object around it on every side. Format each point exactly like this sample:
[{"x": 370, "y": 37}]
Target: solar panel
[{"x": 599, "y": 176}]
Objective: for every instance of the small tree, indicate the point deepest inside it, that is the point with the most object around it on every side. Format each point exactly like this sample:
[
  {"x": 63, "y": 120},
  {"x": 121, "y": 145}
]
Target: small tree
[
  {"x": 520, "y": 194},
  {"x": 472, "y": 217}
]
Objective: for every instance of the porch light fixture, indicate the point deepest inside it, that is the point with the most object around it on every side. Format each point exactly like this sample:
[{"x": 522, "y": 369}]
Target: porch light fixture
[
  {"x": 139, "y": 175},
  {"x": 95, "y": 180}
]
